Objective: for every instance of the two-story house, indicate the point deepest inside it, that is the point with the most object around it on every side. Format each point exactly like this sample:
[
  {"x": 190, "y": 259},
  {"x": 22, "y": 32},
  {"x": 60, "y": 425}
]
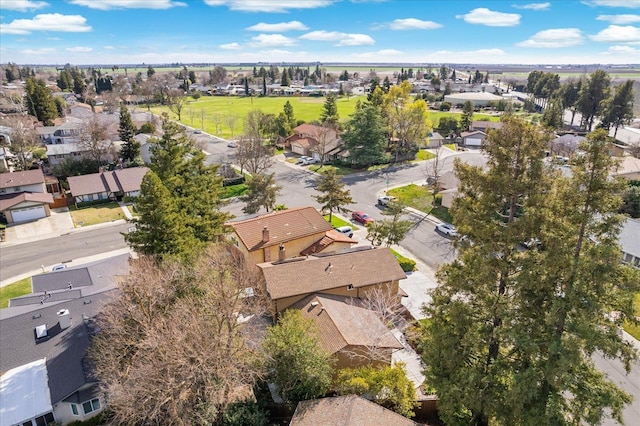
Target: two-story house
[
  {"x": 322, "y": 143},
  {"x": 23, "y": 196}
]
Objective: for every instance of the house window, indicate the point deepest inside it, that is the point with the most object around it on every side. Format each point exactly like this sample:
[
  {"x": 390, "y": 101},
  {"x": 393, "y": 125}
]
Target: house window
[
  {"x": 74, "y": 409},
  {"x": 90, "y": 406},
  {"x": 16, "y": 189}
]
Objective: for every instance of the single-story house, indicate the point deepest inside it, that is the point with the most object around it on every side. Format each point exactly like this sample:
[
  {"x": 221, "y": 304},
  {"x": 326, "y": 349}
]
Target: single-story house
[
  {"x": 283, "y": 234},
  {"x": 43, "y": 354},
  {"x": 354, "y": 335},
  {"x": 630, "y": 243},
  {"x": 477, "y": 98},
  {"x": 351, "y": 272},
  {"x": 565, "y": 145},
  {"x": 111, "y": 185},
  {"x": 315, "y": 141},
  {"x": 483, "y": 126},
  {"x": 435, "y": 140},
  {"x": 473, "y": 139},
  {"x": 347, "y": 410},
  {"x": 23, "y": 196}
]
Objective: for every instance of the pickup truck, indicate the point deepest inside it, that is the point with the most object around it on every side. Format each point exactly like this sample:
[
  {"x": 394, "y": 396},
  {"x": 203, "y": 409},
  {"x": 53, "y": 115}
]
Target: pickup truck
[{"x": 385, "y": 200}]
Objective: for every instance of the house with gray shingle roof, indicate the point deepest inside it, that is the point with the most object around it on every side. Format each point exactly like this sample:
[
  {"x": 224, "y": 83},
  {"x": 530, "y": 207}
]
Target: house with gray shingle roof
[
  {"x": 630, "y": 242},
  {"x": 111, "y": 185},
  {"x": 354, "y": 273},
  {"x": 348, "y": 410}
]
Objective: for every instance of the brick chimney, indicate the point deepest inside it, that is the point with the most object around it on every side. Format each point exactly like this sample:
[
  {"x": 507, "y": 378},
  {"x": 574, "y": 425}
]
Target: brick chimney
[
  {"x": 265, "y": 234},
  {"x": 281, "y": 252}
]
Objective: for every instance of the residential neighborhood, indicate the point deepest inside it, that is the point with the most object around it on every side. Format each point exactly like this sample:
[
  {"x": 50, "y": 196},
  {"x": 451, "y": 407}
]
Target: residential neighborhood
[{"x": 354, "y": 242}]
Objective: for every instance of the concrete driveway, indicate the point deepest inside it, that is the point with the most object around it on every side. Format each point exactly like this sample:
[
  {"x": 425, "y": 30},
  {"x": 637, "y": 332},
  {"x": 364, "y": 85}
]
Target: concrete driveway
[{"x": 57, "y": 224}]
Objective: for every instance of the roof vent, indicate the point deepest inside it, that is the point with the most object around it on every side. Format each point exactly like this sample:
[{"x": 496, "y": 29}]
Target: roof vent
[
  {"x": 41, "y": 331},
  {"x": 314, "y": 304},
  {"x": 64, "y": 319}
]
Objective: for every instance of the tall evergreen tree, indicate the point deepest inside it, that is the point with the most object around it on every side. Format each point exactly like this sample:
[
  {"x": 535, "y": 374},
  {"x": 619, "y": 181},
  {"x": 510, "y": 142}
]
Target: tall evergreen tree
[
  {"x": 285, "y": 80},
  {"x": 334, "y": 194},
  {"x": 264, "y": 85},
  {"x": 467, "y": 116},
  {"x": 40, "y": 102},
  {"x": 288, "y": 112},
  {"x": 329, "y": 115},
  {"x": 594, "y": 90},
  {"x": 570, "y": 92},
  {"x": 618, "y": 109},
  {"x": 512, "y": 332},
  {"x": 262, "y": 192},
  {"x": 365, "y": 136},
  {"x": 130, "y": 148}
]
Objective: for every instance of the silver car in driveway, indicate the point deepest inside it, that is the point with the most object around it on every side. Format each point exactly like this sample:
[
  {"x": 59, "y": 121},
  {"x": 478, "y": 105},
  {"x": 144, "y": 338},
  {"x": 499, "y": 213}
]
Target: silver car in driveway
[
  {"x": 346, "y": 230},
  {"x": 447, "y": 229}
]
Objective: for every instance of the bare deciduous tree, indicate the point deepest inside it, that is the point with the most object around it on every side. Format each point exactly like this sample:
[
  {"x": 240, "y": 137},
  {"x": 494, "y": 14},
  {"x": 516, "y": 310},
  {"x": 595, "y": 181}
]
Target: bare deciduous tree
[
  {"x": 231, "y": 121},
  {"x": 433, "y": 171},
  {"x": 176, "y": 101},
  {"x": 326, "y": 138},
  {"x": 180, "y": 339},
  {"x": 93, "y": 139},
  {"x": 24, "y": 139}
]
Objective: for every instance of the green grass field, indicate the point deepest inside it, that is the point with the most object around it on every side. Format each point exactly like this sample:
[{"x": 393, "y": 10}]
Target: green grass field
[
  {"x": 633, "y": 329},
  {"x": 96, "y": 214},
  {"x": 19, "y": 288},
  {"x": 211, "y": 113}
]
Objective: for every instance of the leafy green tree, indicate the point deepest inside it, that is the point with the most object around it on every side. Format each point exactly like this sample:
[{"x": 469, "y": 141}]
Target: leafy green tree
[
  {"x": 79, "y": 85},
  {"x": 264, "y": 85},
  {"x": 407, "y": 121},
  {"x": 295, "y": 363},
  {"x": 552, "y": 116},
  {"x": 389, "y": 231},
  {"x": 511, "y": 332},
  {"x": 631, "y": 201},
  {"x": 570, "y": 92},
  {"x": 593, "y": 92},
  {"x": 262, "y": 191},
  {"x": 365, "y": 136},
  {"x": 65, "y": 81},
  {"x": 150, "y": 71},
  {"x": 334, "y": 194},
  {"x": 618, "y": 109},
  {"x": 246, "y": 87},
  {"x": 288, "y": 112},
  {"x": 448, "y": 126},
  {"x": 387, "y": 386},
  {"x": 329, "y": 115},
  {"x": 467, "y": 116},
  {"x": 130, "y": 148},
  {"x": 40, "y": 102}
]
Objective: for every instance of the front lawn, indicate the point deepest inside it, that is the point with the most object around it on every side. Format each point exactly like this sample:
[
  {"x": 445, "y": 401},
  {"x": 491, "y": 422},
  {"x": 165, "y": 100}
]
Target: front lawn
[
  {"x": 233, "y": 190},
  {"x": 451, "y": 146},
  {"x": 424, "y": 155},
  {"x": 442, "y": 213},
  {"x": 93, "y": 215},
  {"x": 340, "y": 171},
  {"x": 632, "y": 329},
  {"x": 420, "y": 198},
  {"x": 17, "y": 289},
  {"x": 337, "y": 222}
]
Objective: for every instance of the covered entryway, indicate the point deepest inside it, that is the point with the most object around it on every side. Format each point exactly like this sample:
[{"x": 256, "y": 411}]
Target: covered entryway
[{"x": 29, "y": 213}]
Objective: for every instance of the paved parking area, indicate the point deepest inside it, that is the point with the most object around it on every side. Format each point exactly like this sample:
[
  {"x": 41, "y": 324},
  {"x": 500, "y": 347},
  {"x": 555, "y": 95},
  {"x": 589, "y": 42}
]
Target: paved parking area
[{"x": 57, "y": 224}]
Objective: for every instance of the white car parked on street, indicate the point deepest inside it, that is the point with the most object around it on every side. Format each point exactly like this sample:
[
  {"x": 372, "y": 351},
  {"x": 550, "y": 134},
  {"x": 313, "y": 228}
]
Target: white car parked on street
[{"x": 447, "y": 229}]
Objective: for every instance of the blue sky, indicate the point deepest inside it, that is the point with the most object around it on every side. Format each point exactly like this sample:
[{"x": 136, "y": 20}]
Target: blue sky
[{"x": 223, "y": 31}]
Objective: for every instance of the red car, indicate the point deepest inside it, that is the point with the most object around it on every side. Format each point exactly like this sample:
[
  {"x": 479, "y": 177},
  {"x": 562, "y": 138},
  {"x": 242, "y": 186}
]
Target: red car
[{"x": 361, "y": 217}]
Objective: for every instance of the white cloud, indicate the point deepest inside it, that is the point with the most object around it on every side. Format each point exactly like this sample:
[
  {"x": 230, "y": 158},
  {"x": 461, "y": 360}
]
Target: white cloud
[
  {"x": 554, "y": 38},
  {"x": 128, "y": 4},
  {"x": 343, "y": 39},
  {"x": 79, "y": 49},
  {"x": 617, "y": 33},
  {"x": 109, "y": 47},
  {"x": 42, "y": 51},
  {"x": 619, "y": 19},
  {"x": 270, "y": 6},
  {"x": 617, "y": 49},
  {"x": 632, "y": 4},
  {"x": 47, "y": 22},
  {"x": 230, "y": 46},
  {"x": 272, "y": 40},
  {"x": 625, "y": 34},
  {"x": 413, "y": 24},
  {"x": 279, "y": 27},
  {"x": 533, "y": 6},
  {"x": 484, "y": 16},
  {"x": 23, "y": 5}
]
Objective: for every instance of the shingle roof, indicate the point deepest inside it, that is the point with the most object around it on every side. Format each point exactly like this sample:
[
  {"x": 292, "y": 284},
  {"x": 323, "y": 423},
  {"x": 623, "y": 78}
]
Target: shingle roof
[
  {"x": 342, "y": 324},
  {"x": 27, "y": 177},
  {"x": 348, "y": 410},
  {"x": 629, "y": 237},
  {"x": 10, "y": 200},
  {"x": 286, "y": 225},
  {"x": 358, "y": 266},
  {"x": 122, "y": 180},
  {"x": 60, "y": 280},
  {"x": 64, "y": 349}
]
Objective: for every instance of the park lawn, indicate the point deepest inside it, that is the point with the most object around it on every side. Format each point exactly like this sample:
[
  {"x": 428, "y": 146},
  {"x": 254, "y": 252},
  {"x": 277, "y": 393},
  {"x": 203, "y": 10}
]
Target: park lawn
[
  {"x": 435, "y": 116},
  {"x": 424, "y": 155},
  {"x": 19, "y": 288},
  {"x": 632, "y": 329},
  {"x": 204, "y": 112},
  {"x": 337, "y": 222},
  {"x": 416, "y": 196},
  {"x": 93, "y": 215}
]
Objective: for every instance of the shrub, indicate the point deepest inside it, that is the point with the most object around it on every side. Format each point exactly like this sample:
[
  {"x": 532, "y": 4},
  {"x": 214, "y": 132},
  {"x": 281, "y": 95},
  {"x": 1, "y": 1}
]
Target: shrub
[
  {"x": 445, "y": 106},
  {"x": 233, "y": 181},
  {"x": 407, "y": 265},
  {"x": 438, "y": 199},
  {"x": 148, "y": 128}
]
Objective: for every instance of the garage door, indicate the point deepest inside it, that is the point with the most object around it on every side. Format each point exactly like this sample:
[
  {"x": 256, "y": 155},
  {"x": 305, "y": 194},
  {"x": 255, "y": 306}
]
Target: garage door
[
  {"x": 473, "y": 142},
  {"x": 31, "y": 213},
  {"x": 297, "y": 149}
]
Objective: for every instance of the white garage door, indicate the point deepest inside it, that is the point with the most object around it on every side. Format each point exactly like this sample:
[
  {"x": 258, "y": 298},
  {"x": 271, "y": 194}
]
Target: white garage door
[
  {"x": 473, "y": 142},
  {"x": 31, "y": 213},
  {"x": 297, "y": 149}
]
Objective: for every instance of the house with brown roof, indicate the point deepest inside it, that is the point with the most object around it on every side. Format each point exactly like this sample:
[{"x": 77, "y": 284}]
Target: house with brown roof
[
  {"x": 355, "y": 273},
  {"x": 23, "y": 196},
  {"x": 111, "y": 185},
  {"x": 322, "y": 143},
  {"x": 347, "y": 410},
  {"x": 288, "y": 233},
  {"x": 353, "y": 334},
  {"x": 483, "y": 126}
]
